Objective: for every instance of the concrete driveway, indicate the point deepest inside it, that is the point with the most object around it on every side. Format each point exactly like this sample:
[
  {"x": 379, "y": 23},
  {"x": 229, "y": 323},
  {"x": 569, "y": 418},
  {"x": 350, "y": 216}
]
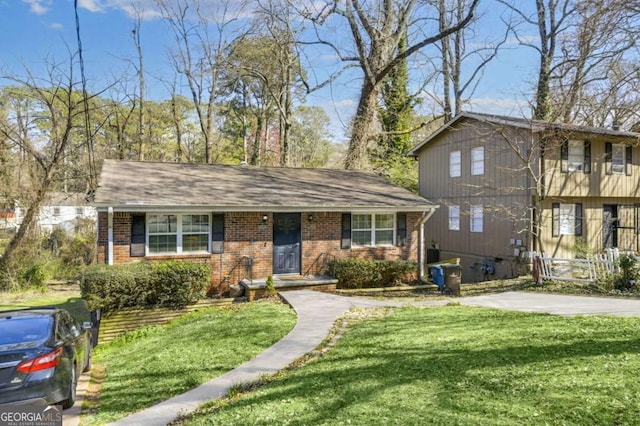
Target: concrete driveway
[{"x": 558, "y": 304}]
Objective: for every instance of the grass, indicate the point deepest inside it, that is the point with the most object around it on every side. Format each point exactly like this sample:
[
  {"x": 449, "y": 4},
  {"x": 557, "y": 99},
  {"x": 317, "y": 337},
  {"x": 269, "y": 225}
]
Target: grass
[
  {"x": 61, "y": 295},
  {"x": 156, "y": 363},
  {"x": 456, "y": 366}
]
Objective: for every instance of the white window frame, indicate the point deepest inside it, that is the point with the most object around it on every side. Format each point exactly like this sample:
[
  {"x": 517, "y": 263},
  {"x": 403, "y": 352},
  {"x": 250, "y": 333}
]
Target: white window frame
[
  {"x": 567, "y": 219},
  {"x": 454, "y": 218},
  {"x": 575, "y": 158},
  {"x": 373, "y": 229},
  {"x": 476, "y": 218},
  {"x": 618, "y": 160},
  {"x": 455, "y": 164},
  {"x": 179, "y": 234},
  {"x": 477, "y": 161}
]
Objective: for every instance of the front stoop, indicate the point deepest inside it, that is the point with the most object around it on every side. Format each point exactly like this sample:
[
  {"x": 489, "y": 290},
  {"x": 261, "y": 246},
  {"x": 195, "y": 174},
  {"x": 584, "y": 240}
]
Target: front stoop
[{"x": 256, "y": 289}]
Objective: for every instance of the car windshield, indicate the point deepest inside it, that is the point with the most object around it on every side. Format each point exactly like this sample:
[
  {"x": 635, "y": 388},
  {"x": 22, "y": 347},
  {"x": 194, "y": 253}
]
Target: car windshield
[{"x": 18, "y": 329}]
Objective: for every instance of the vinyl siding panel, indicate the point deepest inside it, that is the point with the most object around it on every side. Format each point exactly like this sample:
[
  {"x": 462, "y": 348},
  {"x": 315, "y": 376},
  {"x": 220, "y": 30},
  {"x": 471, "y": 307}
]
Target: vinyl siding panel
[
  {"x": 503, "y": 190},
  {"x": 598, "y": 182},
  {"x": 592, "y": 225}
]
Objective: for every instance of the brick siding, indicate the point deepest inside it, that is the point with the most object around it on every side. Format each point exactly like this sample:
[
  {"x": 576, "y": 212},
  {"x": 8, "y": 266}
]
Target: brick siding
[{"x": 247, "y": 237}]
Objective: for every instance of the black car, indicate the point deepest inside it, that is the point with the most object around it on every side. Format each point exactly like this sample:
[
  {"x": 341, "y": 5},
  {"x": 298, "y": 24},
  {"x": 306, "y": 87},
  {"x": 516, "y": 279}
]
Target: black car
[{"x": 43, "y": 351}]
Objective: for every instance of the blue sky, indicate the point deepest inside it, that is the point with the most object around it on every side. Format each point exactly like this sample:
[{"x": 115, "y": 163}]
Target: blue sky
[{"x": 40, "y": 31}]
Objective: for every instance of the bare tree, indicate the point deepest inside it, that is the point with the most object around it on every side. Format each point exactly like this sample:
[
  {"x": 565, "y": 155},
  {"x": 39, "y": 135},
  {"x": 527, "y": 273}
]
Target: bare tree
[
  {"x": 135, "y": 34},
  {"x": 376, "y": 29},
  {"x": 278, "y": 19},
  {"x": 42, "y": 133},
  {"x": 199, "y": 56},
  {"x": 577, "y": 43},
  {"x": 456, "y": 56}
]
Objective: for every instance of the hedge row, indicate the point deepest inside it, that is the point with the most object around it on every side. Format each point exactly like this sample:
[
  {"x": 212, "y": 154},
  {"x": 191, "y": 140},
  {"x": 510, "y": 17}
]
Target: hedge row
[
  {"x": 363, "y": 273},
  {"x": 170, "y": 284}
]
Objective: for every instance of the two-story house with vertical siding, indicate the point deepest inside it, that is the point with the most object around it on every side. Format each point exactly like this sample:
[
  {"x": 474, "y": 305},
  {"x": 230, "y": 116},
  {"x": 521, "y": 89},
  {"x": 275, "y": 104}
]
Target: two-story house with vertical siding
[{"x": 508, "y": 186}]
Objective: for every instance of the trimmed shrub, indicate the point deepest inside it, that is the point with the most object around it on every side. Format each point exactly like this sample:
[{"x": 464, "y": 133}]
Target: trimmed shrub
[
  {"x": 170, "y": 284},
  {"x": 119, "y": 286},
  {"x": 365, "y": 273},
  {"x": 177, "y": 284}
]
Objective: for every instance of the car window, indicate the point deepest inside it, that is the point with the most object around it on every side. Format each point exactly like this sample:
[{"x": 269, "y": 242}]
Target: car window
[
  {"x": 67, "y": 326},
  {"x": 15, "y": 330}
]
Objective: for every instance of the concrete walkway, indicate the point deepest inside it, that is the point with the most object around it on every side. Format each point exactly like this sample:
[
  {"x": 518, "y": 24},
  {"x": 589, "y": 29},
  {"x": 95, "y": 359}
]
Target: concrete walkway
[{"x": 317, "y": 313}]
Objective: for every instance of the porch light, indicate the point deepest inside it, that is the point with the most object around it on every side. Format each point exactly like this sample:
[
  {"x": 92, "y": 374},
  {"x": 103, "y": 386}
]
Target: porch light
[
  {"x": 265, "y": 218},
  {"x": 310, "y": 217}
]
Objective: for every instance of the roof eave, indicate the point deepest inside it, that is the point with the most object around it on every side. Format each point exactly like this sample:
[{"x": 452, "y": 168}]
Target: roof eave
[{"x": 101, "y": 207}]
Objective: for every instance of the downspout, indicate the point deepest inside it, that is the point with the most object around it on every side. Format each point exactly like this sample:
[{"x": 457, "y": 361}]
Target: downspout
[
  {"x": 421, "y": 256},
  {"x": 110, "y": 236}
]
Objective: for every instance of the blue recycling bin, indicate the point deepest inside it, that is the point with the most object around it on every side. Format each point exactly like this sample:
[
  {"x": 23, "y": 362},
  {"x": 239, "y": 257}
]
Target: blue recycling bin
[{"x": 437, "y": 275}]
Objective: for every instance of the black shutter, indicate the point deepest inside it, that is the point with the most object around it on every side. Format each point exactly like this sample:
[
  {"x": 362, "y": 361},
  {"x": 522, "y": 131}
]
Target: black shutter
[
  {"x": 587, "y": 156},
  {"x": 346, "y": 231},
  {"x": 217, "y": 233},
  {"x": 555, "y": 222},
  {"x": 608, "y": 157},
  {"x": 578, "y": 219},
  {"x": 401, "y": 232},
  {"x": 138, "y": 235},
  {"x": 628, "y": 160},
  {"x": 564, "y": 156}
]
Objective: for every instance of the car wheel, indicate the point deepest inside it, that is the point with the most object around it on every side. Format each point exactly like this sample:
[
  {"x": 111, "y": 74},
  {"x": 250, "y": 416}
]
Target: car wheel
[
  {"x": 68, "y": 403},
  {"x": 89, "y": 362}
]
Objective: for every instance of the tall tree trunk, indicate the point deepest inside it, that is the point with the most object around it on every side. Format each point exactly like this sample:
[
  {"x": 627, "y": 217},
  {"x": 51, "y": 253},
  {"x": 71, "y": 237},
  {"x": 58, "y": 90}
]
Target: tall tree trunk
[
  {"x": 446, "y": 67},
  {"x": 141, "y": 88},
  {"x": 363, "y": 126},
  {"x": 27, "y": 223}
]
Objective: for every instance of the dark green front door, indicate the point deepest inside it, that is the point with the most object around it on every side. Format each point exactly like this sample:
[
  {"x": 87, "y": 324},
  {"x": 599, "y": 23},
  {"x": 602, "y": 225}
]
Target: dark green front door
[{"x": 286, "y": 243}]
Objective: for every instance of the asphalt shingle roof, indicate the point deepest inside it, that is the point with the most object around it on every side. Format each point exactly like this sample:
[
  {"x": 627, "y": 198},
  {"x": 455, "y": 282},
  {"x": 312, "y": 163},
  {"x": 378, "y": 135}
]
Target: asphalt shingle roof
[
  {"x": 247, "y": 188},
  {"x": 535, "y": 126}
]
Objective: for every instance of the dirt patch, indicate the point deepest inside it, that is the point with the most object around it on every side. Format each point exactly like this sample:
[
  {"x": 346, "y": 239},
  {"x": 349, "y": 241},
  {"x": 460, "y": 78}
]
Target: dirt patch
[{"x": 92, "y": 397}]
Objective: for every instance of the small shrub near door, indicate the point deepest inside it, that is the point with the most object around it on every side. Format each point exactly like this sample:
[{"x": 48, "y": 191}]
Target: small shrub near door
[
  {"x": 364, "y": 273},
  {"x": 169, "y": 284}
]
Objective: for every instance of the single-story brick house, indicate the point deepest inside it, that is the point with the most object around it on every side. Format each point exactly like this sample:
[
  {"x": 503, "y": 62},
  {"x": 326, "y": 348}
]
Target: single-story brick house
[{"x": 253, "y": 220}]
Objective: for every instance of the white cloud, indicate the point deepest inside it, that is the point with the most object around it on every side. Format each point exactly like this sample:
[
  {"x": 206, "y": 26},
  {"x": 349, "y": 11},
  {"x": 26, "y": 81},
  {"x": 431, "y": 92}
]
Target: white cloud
[
  {"x": 91, "y": 5},
  {"x": 500, "y": 106},
  {"x": 39, "y": 7},
  {"x": 56, "y": 26}
]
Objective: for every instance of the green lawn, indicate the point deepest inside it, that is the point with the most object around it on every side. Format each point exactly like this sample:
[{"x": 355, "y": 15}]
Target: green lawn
[
  {"x": 156, "y": 363},
  {"x": 457, "y": 366},
  {"x": 62, "y": 296}
]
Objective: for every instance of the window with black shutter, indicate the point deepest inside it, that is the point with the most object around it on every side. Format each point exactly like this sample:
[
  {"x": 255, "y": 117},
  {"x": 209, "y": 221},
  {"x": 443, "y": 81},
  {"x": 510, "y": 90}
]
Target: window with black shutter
[
  {"x": 138, "y": 235},
  {"x": 401, "y": 237},
  {"x": 346, "y": 231}
]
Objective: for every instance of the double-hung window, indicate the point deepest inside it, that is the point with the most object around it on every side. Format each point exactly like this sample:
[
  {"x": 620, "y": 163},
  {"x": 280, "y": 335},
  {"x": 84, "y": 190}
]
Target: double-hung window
[
  {"x": 477, "y": 161},
  {"x": 477, "y": 218},
  {"x": 575, "y": 156},
  {"x": 567, "y": 219},
  {"x": 454, "y": 218},
  {"x": 455, "y": 164},
  {"x": 373, "y": 229},
  {"x": 178, "y": 233},
  {"x": 195, "y": 232},
  {"x": 618, "y": 158}
]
